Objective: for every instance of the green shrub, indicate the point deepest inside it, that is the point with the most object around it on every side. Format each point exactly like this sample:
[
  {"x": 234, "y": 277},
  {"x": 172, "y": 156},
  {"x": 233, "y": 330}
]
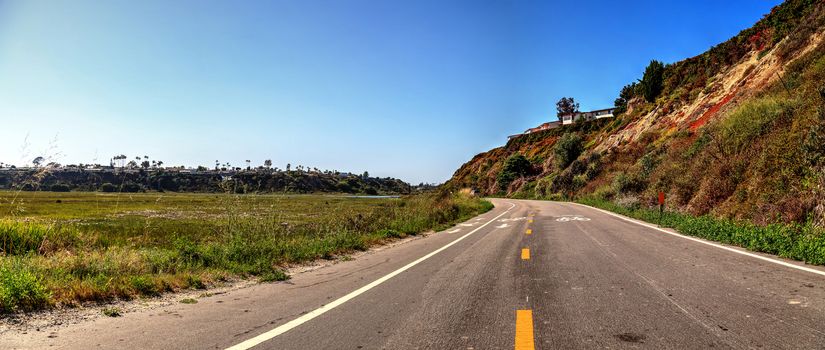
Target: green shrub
[
  {"x": 563, "y": 182},
  {"x": 751, "y": 119},
  {"x": 579, "y": 181},
  {"x": 196, "y": 282},
  {"x": 60, "y": 188},
  {"x": 18, "y": 238},
  {"x": 814, "y": 146},
  {"x": 112, "y": 312},
  {"x": 21, "y": 238},
  {"x": 273, "y": 276},
  {"x": 624, "y": 183},
  {"x": 108, "y": 187},
  {"x": 625, "y": 95},
  {"x": 514, "y": 167},
  {"x": 145, "y": 285},
  {"x": 390, "y": 233},
  {"x": 21, "y": 289},
  {"x": 648, "y": 163},
  {"x": 594, "y": 166},
  {"x": 567, "y": 149},
  {"x": 652, "y": 80},
  {"x": 800, "y": 242}
]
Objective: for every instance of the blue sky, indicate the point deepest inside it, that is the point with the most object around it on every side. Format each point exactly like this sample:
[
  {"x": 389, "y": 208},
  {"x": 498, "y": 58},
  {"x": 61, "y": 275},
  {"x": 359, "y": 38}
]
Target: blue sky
[{"x": 408, "y": 89}]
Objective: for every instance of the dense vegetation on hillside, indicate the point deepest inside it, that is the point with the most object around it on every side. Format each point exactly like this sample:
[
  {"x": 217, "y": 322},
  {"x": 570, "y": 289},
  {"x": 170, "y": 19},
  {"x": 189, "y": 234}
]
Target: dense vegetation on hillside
[
  {"x": 242, "y": 181},
  {"x": 733, "y": 133}
]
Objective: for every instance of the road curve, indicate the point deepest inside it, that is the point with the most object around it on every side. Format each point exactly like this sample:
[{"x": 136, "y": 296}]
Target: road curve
[{"x": 528, "y": 274}]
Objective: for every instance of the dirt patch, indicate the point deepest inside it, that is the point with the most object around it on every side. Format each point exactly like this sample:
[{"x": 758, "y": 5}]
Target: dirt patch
[{"x": 712, "y": 111}]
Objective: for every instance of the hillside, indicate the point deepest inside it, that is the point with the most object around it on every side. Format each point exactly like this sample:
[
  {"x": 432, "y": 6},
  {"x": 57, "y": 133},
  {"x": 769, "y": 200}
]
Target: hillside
[{"x": 737, "y": 132}]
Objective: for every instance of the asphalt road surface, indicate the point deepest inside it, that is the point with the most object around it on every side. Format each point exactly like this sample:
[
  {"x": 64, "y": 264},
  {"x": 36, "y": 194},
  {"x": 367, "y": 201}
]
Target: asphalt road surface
[{"x": 525, "y": 275}]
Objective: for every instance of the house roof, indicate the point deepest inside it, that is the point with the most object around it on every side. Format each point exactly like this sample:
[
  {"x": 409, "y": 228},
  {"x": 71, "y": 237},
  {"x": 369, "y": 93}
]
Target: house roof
[{"x": 602, "y": 110}]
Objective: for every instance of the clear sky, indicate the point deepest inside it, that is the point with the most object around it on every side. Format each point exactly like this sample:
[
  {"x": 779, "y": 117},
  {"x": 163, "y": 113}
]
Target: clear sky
[{"x": 408, "y": 89}]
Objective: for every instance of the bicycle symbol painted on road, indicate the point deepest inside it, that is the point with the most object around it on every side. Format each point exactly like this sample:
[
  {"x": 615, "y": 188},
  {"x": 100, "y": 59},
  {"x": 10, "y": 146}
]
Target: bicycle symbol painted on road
[{"x": 569, "y": 218}]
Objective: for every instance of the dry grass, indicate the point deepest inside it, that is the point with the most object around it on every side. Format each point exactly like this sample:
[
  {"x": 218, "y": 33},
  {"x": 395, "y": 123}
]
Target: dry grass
[{"x": 70, "y": 248}]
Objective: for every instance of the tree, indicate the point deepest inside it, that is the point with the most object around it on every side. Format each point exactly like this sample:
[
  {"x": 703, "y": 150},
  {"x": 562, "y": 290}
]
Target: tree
[
  {"x": 145, "y": 164},
  {"x": 651, "y": 83},
  {"x": 567, "y": 149},
  {"x": 627, "y": 93},
  {"x": 515, "y": 166},
  {"x": 38, "y": 161},
  {"x": 566, "y": 105},
  {"x": 268, "y": 163},
  {"x": 121, "y": 158},
  {"x": 366, "y": 175},
  {"x": 108, "y": 187}
]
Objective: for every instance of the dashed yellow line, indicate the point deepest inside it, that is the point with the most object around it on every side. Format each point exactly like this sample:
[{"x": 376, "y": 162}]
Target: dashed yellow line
[
  {"x": 529, "y": 231},
  {"x": 525, "y": 254},
  {"x": 524, "y": 330},
  {"x": 530, "y": 221}
]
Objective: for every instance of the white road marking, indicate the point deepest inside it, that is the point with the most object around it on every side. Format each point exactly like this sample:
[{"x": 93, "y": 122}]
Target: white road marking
[
  {"x": 466, "y": 225},
  {"x": 503, "y": 226},
  {"x": 752, "y": 255},
  {"x": 249, "y": 343},
  {"x": 454, "y": 231},
  {"x": 513, "y": 219},
  {"x": 567, "y": 218}
]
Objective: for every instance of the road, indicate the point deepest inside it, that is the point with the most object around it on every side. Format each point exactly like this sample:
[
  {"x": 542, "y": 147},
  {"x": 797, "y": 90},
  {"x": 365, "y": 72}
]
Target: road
[{"x": 528, "y": 274}]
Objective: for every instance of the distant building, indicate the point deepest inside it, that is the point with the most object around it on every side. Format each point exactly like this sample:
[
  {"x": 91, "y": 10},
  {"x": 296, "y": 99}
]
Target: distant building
[
  {"x": 542, "y": 127},
  {"x": 567, "y": 119}
]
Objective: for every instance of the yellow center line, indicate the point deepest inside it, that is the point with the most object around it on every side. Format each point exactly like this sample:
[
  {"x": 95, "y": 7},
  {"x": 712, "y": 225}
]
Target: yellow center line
[
  {"x": 524, "y": 330},
  {"x": 530, "y": 221},
  {"x": 525, "y": 254},
  {"x": 529, "y": 231}
]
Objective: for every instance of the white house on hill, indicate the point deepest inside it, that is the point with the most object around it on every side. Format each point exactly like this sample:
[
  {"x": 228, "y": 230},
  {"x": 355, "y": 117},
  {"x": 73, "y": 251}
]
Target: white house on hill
[
  {"x": 587, "y": 116},
  {"x": 567, "y": 119}
]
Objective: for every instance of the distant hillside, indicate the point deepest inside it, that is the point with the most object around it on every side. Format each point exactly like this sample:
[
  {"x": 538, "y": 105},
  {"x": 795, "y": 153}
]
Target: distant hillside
[
  {"x": 737, "y": 132},
  {"x": 248, "y": 181}
]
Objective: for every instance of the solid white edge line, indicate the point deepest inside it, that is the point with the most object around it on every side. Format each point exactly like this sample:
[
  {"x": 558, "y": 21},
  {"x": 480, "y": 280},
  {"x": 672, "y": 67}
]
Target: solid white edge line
[
  {"x": 717, "y": 245},
  {"x": 249, "y": 343}
]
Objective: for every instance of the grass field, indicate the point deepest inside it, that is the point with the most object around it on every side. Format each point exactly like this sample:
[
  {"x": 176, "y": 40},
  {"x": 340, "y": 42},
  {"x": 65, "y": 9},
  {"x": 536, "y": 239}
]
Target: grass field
[{"x": 72, "y": 248}]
